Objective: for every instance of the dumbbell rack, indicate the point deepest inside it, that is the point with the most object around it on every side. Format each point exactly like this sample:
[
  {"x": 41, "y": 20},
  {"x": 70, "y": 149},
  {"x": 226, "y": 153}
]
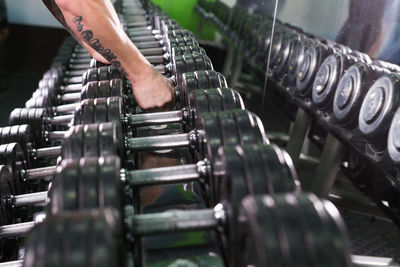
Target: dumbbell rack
[
  {"x": 199, "y": 244},
  {"x": 385, "y": 170}
]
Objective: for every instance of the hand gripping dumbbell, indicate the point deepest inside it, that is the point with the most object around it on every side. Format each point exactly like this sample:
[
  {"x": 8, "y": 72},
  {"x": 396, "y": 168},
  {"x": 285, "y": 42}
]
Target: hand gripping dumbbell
[
  {"x": 116, "y": 88},
  {"x": 201, "y": 101},
  {"x": 40, "y": 121},
  {"x": 376, "y": 113},
  {"x": 269, "y": 230},
  {"x": 190, "y": 82},
  {"x": 93, "y": 175},
  {"x": 53, "y": 83},
  {"x": 327, "y": 79},
  {"x": 180, "y": 64},
  {"x": 351, "y": 90}
]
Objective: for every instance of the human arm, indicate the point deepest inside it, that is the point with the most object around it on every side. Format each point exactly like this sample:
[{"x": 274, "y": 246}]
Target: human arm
[{"x": 95, "y": 24}]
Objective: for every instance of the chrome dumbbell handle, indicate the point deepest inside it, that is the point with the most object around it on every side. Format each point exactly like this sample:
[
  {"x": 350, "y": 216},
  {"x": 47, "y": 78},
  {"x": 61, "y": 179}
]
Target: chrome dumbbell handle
[
  {"x": 175, "y": 221},
  {"x": 146, "y": 119},
  {"x": 27, "y": 199},
  {"x": 19, "y": 263},
  {"x": 34, "y": 174},
  {"x": 165, "y": 175},
  {"x": 158, "y": 142},
  {"x": 47, "y": 152}
]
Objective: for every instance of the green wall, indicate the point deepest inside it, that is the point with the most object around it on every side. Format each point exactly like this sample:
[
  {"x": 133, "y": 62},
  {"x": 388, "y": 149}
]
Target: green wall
[{"x": 183, "y": 12}]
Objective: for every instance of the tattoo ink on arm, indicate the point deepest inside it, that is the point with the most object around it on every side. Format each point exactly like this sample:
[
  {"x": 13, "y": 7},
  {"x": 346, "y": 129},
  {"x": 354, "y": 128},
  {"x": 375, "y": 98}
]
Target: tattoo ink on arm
[{"x": 88, "y": 36}]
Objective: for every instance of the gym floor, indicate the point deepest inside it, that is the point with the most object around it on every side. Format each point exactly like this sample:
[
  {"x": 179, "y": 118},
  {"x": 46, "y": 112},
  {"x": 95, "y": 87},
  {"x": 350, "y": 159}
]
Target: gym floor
[{"x": 24, "y": 57}]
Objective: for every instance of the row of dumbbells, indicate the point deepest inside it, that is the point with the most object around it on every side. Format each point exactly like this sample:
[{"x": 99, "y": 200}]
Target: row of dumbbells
[
  {"x": 39, "y": 117},
  {"x": 234, "y": 161},
  {"x": 355, "y": 92}
]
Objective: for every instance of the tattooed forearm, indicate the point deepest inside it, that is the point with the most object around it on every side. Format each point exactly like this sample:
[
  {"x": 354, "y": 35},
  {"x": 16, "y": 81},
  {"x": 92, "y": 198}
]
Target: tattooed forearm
[{"x": 88, "y": 37}]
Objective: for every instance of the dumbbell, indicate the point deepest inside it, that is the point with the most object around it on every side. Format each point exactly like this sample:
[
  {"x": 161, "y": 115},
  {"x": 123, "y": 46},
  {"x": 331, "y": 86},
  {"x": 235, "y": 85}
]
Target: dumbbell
[
  {"x": 327, "y": 79},
  {"x": 105, "y": 172},
  {"x": 213, "y": 130},
  {"x": 101, "y": 227},
  {"x": 313, "y": 57},
  {"x": 238, "y": 126},
  {"x": 201, "y": 101},
  {"x": 268, "y": 225},
  {"x": 295, "y": 57},
  {"x": 351, "y": 90},
  {"x": 277, "y": 44},
  {"x": 48, "y": 99},
  {"x": 53, "y": 82},
  {"x": 312, "y": 228},
  {"x": 59, "y": 75},
  {"x": 377, "y": 110},
  {"x": 192, "y": 81},
  {"x": 33, "y": 150},
  {"x": 280, "y": 63},
  {"x": 265, "y": 168},
  {"x": 180, "y": 64},
  {"x": 111, "y": 108}
]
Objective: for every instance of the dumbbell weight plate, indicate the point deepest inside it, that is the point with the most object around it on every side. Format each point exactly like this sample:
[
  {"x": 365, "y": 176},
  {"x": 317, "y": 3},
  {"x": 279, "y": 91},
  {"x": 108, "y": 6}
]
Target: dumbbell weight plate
[
  {"x": 75, "y": 239},
  {"x": 280, "y": 65},
  {"x": 327, "y": 78},
  {"x": 260, "y": 248},
  {"x": 103, "y": 141},
  {"x": 378, "y": 107},
  {"x": 96, "y": 185},
  {"x": 350, "y": 92},
  {"x": 313, "y": 57},
  {"x": 290, "y": 232}
]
